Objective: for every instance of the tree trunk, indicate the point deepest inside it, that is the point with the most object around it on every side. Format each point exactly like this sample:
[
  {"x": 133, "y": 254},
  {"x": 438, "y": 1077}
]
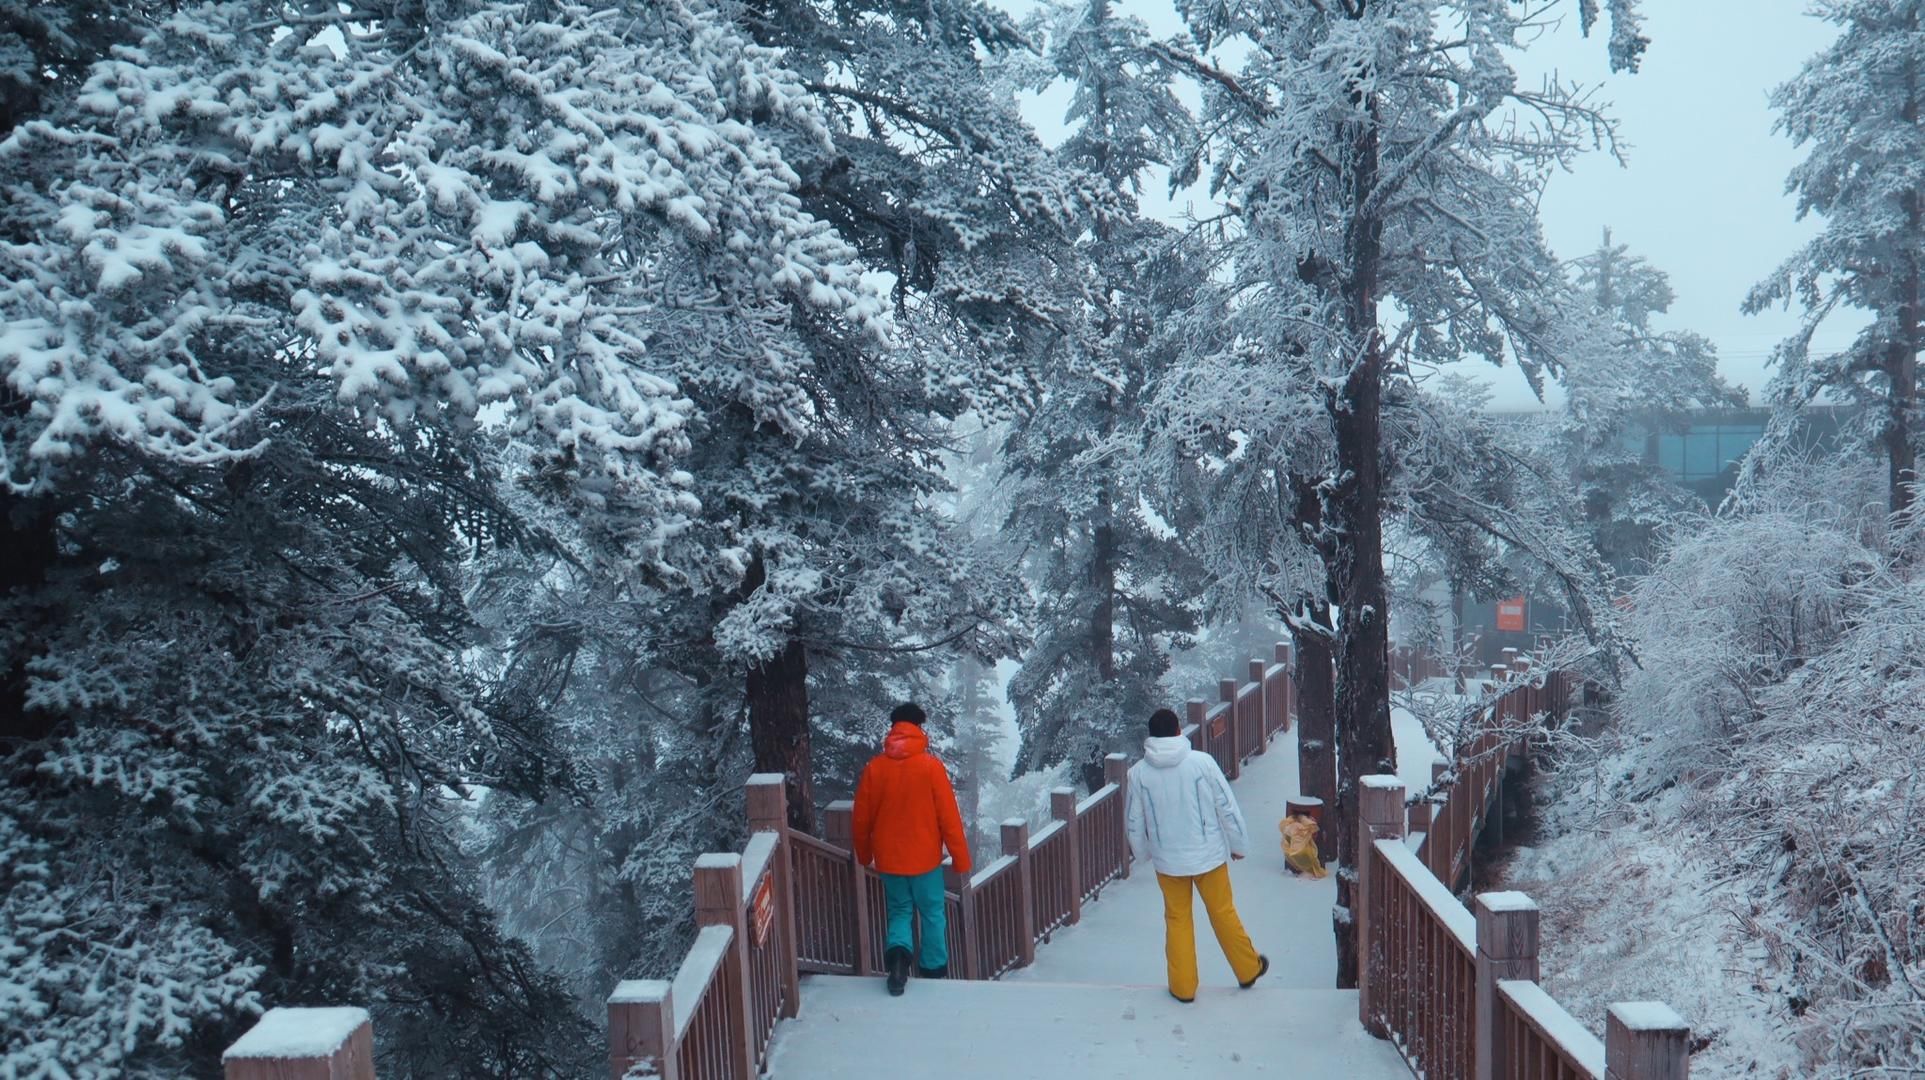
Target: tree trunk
[
  {"x": 1316, "y": 719},
  {"x": 1901, "y": 360},
  {"x": 1354, "y": 514},
  {"x": 27, "y": 537},
  {"x": 778, "y": 693}
]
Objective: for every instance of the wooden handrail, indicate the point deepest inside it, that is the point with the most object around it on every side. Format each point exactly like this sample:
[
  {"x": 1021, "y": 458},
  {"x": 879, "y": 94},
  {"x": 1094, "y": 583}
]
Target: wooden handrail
[{"x": 1457, "y": 992}]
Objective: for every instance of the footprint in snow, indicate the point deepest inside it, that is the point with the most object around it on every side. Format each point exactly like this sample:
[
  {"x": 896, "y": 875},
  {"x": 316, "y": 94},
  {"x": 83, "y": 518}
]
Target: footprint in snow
[{"x": 1129, "y": 1012}]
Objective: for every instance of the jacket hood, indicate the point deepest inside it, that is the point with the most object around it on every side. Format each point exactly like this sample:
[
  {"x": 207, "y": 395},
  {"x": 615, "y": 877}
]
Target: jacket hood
[
  {"x": 905, "y": 740},
  {"x": 1166, "y": 752}
]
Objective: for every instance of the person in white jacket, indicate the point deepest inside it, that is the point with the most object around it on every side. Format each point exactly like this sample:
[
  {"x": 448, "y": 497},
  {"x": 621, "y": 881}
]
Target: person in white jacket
[{"x": 1183, "y": 819}]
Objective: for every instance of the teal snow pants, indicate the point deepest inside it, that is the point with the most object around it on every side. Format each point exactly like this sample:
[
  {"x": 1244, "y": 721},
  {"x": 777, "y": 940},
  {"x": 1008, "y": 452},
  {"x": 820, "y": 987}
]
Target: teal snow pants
[{"x": 919, "y": 894}]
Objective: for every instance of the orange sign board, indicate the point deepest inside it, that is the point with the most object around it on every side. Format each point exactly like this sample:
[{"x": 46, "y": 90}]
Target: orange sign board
[
  {"x": 764, "y": 908},
  {"x": 1510, "y": 614}
]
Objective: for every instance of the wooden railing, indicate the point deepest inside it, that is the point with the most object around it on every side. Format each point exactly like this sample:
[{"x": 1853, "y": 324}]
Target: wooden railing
[
  {"x": 1455, "y": 990},
  {"x": 715, "y": 1019},
  {"x": 1247, "y": 714},
  {"x": 790, "y": 903},
  {"x": 997, "y": 915},
  {"x": 1464, "y": 790}
]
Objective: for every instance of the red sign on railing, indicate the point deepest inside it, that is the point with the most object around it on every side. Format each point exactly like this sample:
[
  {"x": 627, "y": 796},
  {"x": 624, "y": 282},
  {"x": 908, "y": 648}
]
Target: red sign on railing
[
  {"x": 1510, "y": 614},
  {"x": 764, "y": 908}
]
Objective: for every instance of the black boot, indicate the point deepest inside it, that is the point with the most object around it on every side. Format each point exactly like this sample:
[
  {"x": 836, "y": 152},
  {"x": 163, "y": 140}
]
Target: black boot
[
  {"x": 896, "y": 960},
  {"x": 1262, "y": 970},
  {"x": 933, "y": 973}
]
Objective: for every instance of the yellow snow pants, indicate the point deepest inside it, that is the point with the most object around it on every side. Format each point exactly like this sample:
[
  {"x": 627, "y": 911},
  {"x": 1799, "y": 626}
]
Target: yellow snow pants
[{"x": 1179, "y": 928}]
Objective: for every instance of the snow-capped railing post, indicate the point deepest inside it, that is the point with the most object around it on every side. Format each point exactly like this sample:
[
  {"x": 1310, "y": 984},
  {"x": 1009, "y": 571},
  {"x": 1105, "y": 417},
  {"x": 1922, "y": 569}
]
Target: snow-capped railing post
[
  {"x": 1016, "y": 846},
  {"x": 1116, "y": 770},
  {"x": 1380, "y": 816},
  {"x": 718, "y": 902},
  {"x": 641, "y": 1030},
  {"x": 838, "y": 828},
  {"x": 1195, "y": 712},
  {"x": 1437, "y": 842},
  {"x": 1507, "y": 940},
  {"x": 1257, "y": 725},
  {"x": 1646, "y": 1040},
  {"x": 1062, "y": 807},
  {"x": 1276, "y": 692},
  {"x": 1227, "y": 692},
  {"x": 304, "y": 1044},
  {"x": 768, "y": 811}
]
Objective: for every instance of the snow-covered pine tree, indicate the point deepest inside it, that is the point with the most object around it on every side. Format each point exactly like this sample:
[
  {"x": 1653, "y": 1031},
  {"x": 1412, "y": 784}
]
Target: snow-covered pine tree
[
  {"x": 1113, "y": 597},
  {"x": 1620, "y": 372},
  {"x": 838, "y": 569},
  {"x": 276, "y": 281},
  {"x": 1380, "y": 150},
  {"x": 1857, "y": 105}
]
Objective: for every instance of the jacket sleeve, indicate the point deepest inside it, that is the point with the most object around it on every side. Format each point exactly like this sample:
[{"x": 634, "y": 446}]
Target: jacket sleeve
[
  {"x": 1228, "y": 814},
  {"x": 863, "y": 820},
  {"x": 949, "y": 819},
  {"x": 1135, "y": 825}
]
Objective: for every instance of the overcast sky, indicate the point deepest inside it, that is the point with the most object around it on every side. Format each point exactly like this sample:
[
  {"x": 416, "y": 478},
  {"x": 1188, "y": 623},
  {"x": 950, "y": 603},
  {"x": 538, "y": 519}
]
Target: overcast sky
[{"x": 1702, "y": 196}]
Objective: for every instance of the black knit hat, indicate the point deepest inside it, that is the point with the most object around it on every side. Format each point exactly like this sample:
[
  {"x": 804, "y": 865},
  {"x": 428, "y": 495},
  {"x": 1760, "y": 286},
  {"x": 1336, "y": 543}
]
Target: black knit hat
[
  {"x": 1164, "y": 724},
  {"x": 908, "y": 713}
]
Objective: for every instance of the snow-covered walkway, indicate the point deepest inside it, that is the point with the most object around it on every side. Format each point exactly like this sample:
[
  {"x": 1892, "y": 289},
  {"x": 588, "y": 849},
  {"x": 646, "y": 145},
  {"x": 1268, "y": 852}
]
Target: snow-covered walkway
[
  {"x": 1094, "y": 1004},
  {"x": 850, "y": 1029}
]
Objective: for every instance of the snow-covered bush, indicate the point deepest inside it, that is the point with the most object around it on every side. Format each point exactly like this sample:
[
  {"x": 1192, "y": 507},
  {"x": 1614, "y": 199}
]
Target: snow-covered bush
[
  {"x": 1739, "y": 604},
  {"x": 1766, "y": 766}
]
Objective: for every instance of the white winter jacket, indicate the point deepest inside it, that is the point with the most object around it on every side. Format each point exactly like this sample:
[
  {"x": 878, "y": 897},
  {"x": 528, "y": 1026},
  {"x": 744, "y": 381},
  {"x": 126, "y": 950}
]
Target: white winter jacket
[{"x": 1182, "y": 816}]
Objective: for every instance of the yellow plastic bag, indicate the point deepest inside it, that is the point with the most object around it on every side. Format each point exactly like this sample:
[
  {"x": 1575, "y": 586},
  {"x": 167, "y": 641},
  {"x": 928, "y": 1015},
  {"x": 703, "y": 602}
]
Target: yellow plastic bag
[{"x": 1300, "y": 845}]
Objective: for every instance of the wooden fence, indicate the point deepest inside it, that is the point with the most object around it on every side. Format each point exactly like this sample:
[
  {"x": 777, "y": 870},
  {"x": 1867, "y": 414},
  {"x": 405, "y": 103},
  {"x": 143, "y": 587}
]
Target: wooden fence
[{"x": 1455, "y": 990}]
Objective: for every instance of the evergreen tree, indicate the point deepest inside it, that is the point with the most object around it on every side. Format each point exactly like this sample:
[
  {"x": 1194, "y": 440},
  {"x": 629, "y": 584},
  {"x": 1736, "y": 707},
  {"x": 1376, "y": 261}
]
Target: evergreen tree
[
  {"x": 1112, "y": 594},
  {"x": 1369, "y": 155},
  {"x": 280, "y": 283},
  {"x": 1857, "y": 106}
]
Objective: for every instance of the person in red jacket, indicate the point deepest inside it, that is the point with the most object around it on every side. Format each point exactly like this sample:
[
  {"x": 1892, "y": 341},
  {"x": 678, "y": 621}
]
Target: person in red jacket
[{"x": 905, "y": 816}]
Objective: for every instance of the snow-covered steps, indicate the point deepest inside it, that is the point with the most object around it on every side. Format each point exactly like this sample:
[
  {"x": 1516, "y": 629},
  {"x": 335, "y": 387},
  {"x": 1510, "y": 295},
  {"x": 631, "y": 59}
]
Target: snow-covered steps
[{"x": 851, "y": 1029}]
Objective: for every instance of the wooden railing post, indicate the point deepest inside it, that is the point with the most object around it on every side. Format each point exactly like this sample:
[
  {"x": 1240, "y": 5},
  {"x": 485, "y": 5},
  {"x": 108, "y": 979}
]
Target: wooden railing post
[
  {"x": 1195, "y": 712},
  {"x": 304, "y": 1044},
  {"x": 964, "y": 966},
  {"x": 1437, "y": 845},
  {"x": 1258, "y": 672},
  {"x": 718, "y": 902},
  {"x": 1227, "y": 690},
  {"x": 1646, "y": 1040},
  {"x": 1062, "y": 807},
  {"x": 839, "y": 824},
  {"x": 838, "y": 828},
  {"x": 1289, "y": 687},
  {"x": 1507, "y": 936},
  {"x": 1380, "y": 815},
  {"x": 1016, "y": 845},
  {"x": 768, "y": 806},
  {"x": 1116, "y": 770},
  {"x": 641, "y": 1029}
]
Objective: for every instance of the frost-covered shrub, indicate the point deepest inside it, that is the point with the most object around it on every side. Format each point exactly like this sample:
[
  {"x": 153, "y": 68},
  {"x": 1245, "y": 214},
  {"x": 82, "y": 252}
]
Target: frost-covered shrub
[
  {"x": 1773, "y": 746},
  {"x": 1735, "y": 607}
]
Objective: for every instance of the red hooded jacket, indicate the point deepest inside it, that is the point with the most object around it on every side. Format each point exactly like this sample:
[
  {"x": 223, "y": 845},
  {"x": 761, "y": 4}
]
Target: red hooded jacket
[{"x": 905, "y": 810}]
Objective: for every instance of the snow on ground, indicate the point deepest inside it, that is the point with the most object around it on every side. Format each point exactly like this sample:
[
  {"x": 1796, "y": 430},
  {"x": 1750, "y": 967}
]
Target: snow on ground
[
  {"x": 851, "y": 1029},
  {"x": 1634, "y": 908},
  {"x": 1095, "y": 1003}
]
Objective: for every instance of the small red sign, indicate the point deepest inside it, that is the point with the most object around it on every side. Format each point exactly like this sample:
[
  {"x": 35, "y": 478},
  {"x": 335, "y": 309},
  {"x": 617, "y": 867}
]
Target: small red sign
[
  {"x": 764, "y": 909},
  {"x": 1220, "y": 725},
  {"x": 1510, "y": 614}
]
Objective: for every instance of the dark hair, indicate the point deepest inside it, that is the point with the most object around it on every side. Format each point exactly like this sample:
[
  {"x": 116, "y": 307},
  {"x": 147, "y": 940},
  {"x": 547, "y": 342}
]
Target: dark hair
[
  {"x": 1163, "y": 724},
  {"x": 908, "y": 713}
]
